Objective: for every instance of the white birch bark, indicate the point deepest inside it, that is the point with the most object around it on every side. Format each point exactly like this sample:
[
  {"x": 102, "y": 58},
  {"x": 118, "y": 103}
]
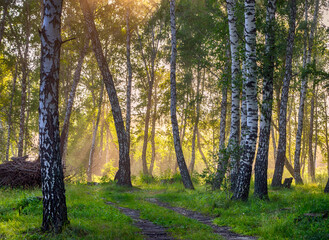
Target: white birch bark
[
  {"x": 54, "y": 203},
  {"x": 243, "y": 180},
  {"x": 233, "y": 144},
  {"x": 178, "y": 148},
  {"x": 266, "y": 110}
]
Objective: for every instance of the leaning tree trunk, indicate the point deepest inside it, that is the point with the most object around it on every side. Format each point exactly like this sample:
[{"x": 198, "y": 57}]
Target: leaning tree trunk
[
  {"x": 281, "y": 155},
  {"x": 123, "y": 175},
  {"x": 243, "y": 181},
  {"x": 178, "y": 148},
  {"x": 93, "y": 143},
  {"x": 10, "y": 113},
  {"x": 266, "y": 111},
  {"x": 54, "y": 203},
  {"x": 197, "y": 116},
  {"x": 130, "y": 76},
  {"x": 24, "y": 79},
  {"x": 233, "y": 144},
  {"x": 69, "y": 106}
]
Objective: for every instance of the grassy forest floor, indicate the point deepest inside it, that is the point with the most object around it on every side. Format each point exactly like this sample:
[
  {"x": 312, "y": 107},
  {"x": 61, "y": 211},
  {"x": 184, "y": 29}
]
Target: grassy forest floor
[{"x": 283, "y": 217}]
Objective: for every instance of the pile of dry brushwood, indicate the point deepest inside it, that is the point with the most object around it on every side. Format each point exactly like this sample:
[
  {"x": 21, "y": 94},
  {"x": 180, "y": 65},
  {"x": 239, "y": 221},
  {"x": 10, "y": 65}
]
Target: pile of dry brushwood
[{"x": 20, "y": 173}]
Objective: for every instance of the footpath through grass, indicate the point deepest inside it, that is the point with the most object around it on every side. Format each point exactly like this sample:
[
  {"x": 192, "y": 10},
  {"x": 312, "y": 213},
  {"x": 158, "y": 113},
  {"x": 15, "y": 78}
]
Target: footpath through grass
[{"x": 90, "y": 218}]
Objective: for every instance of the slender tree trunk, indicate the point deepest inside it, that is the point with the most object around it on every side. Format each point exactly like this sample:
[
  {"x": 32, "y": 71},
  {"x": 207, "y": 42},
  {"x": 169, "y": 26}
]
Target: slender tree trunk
[
  {"x": 279, "y": 164},
  {"x": 26, "y": 130},
  {"x": 248, "y": 155},
  {"x": 310, "y": 140},
  {"x": 178, "y": 148},
  {"x": 54, "y": 202},
  {"x": 130, "y": 76},
  {"x": 69, "y": 106},
  {"x": 197, "y": 116},
  {"x": 10, "y": 112},
  {"x": 273, "y": 141},
  {"x": 149, "y": 104},
  {"x": 233, "y": 143},
  {"x": 316, "y": 131},
  {"x": 222, "y": 162},
  {"x": 154, "y": 117},
  {"x": 200, "y": 150},
  {"x": 123, "y": 175},
  {"x": 24, "y": 64},
  {"x": 92, "y": 149},
  {"x": 261, "y": 165}
]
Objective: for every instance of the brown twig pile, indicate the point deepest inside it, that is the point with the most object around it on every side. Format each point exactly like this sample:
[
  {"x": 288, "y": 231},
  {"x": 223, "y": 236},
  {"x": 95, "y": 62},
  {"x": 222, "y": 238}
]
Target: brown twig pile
[{"x": 20, "y": 173}]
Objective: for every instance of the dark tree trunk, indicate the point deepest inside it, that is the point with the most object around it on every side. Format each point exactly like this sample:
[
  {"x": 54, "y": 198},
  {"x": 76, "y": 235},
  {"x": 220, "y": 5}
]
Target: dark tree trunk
[
  {"x": 69, "y": 106},
  {"x": 24, "y": 63},
  {"x": 10, "y": 113},
  {"x": 178, "y": 148},
  {"x": 281, "y": 156},
  {"x": 196, "y": 120},
  {"x": 261, "y": 165},
  {"x": 311, "y": 170},
  {"x": 123, "y": 175},
  {"x": 222, "y": 159},
  {"x": 54, "y": 202}
]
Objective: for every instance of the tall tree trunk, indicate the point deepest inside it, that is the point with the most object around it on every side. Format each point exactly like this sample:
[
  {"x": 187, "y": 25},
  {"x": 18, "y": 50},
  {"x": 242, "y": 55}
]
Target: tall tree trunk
[
  {"x": 233, "y": 143},
  {"x": 248, "y": 155},
  {"x": 281, "y": 156},
  {"x": 130, "y": 76},
  {"x": 24, "y": 63},
  {"x": 92, "y": 149},
  {"x": 54, "y": 202},
  {"x": 69, "y": 106},
  {"x": 196, "y": 120},
  {"x": 200, "y": 150},
  {"x": 123, "y": 175},
  {"x": 311, "y": 171},
  {"x": 26, "y": 130},
  {"x": 149, "y": 103},
  {"x": 10, "y": 112},
  {"x": 222, "y": 162},
  {"x": 316, "y": 131},
  {"x": 178, "y": 148},
  {"x": 261, "y": 165},
  {"x": 154, "y": 117},
  {"x": 273, "y": 141}
]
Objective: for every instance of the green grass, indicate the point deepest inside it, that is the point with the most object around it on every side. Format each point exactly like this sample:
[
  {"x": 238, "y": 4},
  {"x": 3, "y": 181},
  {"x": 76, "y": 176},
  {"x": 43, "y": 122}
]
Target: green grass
[{"x": 90, "y": 218}]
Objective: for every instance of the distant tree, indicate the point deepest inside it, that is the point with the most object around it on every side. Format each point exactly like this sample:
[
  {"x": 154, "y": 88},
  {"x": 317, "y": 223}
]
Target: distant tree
[{"x": 54, "y": 202}]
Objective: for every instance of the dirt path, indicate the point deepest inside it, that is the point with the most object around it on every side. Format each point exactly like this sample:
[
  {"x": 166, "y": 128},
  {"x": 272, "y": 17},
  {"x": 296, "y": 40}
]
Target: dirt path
[
  {"x": 150, "y": 230},
  {"x": 223, "y": 231}
]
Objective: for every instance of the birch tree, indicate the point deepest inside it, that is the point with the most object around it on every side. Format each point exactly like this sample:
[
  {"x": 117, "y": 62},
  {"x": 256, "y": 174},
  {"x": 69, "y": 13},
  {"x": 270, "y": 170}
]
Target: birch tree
[
  {"x": 54, "y": 203},
  {"x": 233, "y": 143},
  {"x": 178, "y": 148},
  {"x": 246, "y": 161},
  {"x": 266, "y": 110},
  {"x": 123, "y": 174},
  {"x": 281, "y": 155}
]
